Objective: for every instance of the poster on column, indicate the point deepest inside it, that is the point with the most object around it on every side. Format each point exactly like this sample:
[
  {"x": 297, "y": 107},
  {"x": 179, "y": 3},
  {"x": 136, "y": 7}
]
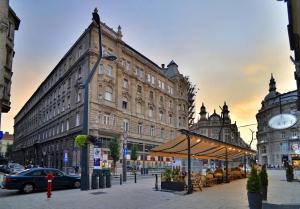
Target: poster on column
[{"x": 97, "y": 158}]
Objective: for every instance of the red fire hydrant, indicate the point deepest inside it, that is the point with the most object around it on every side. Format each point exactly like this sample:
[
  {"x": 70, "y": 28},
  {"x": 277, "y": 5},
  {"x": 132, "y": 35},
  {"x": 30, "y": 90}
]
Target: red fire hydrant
[{"x": 50, "y": 177}]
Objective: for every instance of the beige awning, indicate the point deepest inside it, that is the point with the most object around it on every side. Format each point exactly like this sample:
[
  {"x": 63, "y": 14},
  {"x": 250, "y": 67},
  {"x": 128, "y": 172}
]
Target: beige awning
[{"x": 201, "y": 147}]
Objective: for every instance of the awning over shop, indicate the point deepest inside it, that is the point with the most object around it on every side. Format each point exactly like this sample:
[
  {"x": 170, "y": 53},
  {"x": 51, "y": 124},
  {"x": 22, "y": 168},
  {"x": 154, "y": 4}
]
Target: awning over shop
[{"x": 200, "y": 147}]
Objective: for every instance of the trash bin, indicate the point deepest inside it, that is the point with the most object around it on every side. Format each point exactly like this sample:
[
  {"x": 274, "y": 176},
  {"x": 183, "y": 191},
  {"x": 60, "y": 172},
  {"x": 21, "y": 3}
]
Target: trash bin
[
  {"x": 101, "y": 180},
  {"x": 95, "y": 181},
  {"x": 106, "y": 173}
]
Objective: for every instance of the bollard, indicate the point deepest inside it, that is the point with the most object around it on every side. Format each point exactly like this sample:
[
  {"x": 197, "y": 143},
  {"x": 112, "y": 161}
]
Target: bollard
[
  {"x": 156, "y": 182},
  {"x": 134, "y": 177},
  {"x": 120, "y": 179},
  {"x": 50, "y": 177}
]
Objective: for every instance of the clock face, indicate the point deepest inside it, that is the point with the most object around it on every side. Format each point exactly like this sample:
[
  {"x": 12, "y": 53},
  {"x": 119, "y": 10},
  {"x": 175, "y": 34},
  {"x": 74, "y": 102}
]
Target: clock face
[{"x": 282, "y": 121}]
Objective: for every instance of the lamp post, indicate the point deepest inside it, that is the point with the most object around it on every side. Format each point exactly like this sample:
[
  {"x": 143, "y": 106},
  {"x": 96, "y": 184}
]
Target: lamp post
[{"x": 85, "y": 184}]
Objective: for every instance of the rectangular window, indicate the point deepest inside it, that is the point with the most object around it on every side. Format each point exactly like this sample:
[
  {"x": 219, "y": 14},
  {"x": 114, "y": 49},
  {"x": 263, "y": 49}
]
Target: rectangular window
[
  {"x": 124, "y": 105},
  {"x": 159, "y": 83},
  {"x": 68, "y": 125},
  {"x": 109, "y": 71},
  {"x": 151, "y": 95},
  {"x": 125, "y": 125},
  {"x": 162, "y": 133},
  {"x": 101, "y": 69},
  {"x": 152, "y": 80},
  {"x": 148, "y": 78},
  {"x": 140, "y": 128},
  {"x": 108, "y": 96},
  {"x": 106, "y": 119},
  {"x": 62, "y": 127},
  {"x": 152, "y": 131},
  {"x": 162, "y": 85},
  {"x": 79, "y": 96},
  {"x": 125, "y": 83},
  {"x": 77, "y": 119}
]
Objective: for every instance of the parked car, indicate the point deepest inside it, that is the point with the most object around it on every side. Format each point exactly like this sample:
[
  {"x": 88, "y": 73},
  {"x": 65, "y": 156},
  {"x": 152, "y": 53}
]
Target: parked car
[
  {"x": 4, "y": 169},
  {"x": 36, "y": 179},
  {"x": 15, "y": 168}
]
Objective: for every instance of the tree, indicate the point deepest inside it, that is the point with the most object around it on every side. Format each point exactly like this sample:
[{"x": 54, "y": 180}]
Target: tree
[
  {"x": 134, "y": 154},
  {"x": 114, "y": 147},
  {"x": 192, "y": 91}
]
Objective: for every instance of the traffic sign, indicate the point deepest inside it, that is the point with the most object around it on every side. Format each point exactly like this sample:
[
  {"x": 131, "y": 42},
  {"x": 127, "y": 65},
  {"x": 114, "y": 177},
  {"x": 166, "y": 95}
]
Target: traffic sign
[{"x": 1, "y": 135}]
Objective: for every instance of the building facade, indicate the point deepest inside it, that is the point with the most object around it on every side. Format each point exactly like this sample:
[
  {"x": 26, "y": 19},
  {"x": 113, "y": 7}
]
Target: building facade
[
  {"x": 293, "y": 8},
  {"x": 221, "y": 128},
  {"x": 5, "y": 142},
  {"x": 132, "y": 95},
  {"x": 9, "y": 22},
  {"x": 218, "y": 126},
  {"x": 275, "y": 144}
]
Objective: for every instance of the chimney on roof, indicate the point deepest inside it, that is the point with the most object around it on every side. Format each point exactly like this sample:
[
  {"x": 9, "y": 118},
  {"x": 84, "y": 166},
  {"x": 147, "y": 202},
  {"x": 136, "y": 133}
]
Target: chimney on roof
[{"x": 162, "y": 66}]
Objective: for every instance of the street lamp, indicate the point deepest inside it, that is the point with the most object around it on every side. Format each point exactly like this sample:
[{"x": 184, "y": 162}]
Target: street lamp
[{"x": 85, "y": 184}]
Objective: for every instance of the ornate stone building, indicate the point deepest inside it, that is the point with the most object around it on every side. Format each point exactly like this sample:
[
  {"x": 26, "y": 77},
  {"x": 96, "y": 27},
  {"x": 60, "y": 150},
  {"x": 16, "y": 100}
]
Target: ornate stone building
[
  {"x": 8, "y": 139},
  {"x": 277, "y": 141},
  {"x": 9, "y": 22},
  {"x": 132, "y": 94},
  {"x": 218, "y": 126}
]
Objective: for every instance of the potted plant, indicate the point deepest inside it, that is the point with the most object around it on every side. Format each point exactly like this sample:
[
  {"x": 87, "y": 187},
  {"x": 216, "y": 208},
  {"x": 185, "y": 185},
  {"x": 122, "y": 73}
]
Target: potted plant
[
  {"x": 170, "y": 180},
  {"x": 264, "y": 182},
  {"x": 289, "y": 173},
  {"x": 253, "y": 188}
]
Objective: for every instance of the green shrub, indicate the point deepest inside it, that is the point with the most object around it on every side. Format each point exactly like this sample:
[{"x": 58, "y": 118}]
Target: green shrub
[
  {"x": 253, "y": 183},
  {"x": 263, "y": 176},
  {"x": 80, "y": 140},
  {"x": 167, "y": 175}
]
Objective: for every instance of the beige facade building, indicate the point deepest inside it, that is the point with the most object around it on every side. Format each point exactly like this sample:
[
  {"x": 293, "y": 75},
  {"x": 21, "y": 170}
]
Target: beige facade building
[
  {"x": 132, "y": 94},
  {"x": 5, "y": 142},
  {"x": 278, "y": 141},
  {"x": 9, "y": 22},
  {"x": 218, "y": 126}
]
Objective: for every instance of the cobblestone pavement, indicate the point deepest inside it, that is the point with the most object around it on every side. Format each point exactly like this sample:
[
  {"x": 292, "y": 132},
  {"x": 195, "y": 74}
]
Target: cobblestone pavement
[{"x": 142, "y": 196}]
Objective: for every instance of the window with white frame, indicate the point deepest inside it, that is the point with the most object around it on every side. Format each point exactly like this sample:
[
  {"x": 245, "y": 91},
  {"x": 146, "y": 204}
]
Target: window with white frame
[
  {"x": 152, "y": 131},
  {"x": 152, "y": 80},
  {"x": 106, "y": 119},
  {"x": 150, "y": 112},
  {"x": 140, "y": 128},
  {"x": 77, "y": 119},
  {"x": 62, "y": 127},
  {"x": 125, "y": 125},
  {"x": 108, "y": 94},
  {"x": 109, "y": 71},
  {"x": 170, "y": 118},
  {"x": 159, "y": 83},
  {"x": 162, "y": 85},
  {"x": 128, "y": 65},
  {"x": 125, "y": 83},
  {"x": 161, "y": 116},
  {"x": 67, "y": 125},
  {"x": 101, "y": 69},
  {"x": 162, "y": 132},
  {"x": 149, "y": 78},
  {"x": 79, "y": 95}
]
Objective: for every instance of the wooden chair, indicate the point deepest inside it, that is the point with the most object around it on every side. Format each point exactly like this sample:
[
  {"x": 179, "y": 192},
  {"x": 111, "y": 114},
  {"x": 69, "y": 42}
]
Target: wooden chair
[{"x": 196, "y": 182}]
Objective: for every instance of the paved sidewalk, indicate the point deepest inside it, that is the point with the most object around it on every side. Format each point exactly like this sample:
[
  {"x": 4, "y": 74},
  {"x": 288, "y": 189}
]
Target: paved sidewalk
[{"x": 143, "y": 196}]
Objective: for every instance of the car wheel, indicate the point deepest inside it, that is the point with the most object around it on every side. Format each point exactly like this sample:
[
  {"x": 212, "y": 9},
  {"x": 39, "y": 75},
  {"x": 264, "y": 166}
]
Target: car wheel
[
  {"x": 76, "y": 184},
  {"x": 28, "y": 188}
]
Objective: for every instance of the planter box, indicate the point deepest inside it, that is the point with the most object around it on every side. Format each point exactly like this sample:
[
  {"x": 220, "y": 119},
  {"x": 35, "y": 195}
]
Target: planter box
[{"x": 172, "y": 185}]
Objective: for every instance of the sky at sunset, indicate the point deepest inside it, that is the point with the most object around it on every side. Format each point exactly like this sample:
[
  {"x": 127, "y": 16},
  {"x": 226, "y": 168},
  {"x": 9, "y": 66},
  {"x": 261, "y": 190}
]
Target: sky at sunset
[{"x": 228, "y": 48}]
